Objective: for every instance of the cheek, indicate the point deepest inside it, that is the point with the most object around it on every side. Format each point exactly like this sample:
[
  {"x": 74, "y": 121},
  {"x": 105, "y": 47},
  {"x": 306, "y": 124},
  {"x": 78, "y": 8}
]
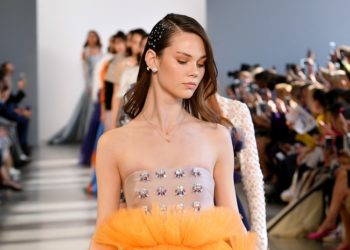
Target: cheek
[
  {"x": 201, "y": 73},
  {"x": 172, "y": 71}
]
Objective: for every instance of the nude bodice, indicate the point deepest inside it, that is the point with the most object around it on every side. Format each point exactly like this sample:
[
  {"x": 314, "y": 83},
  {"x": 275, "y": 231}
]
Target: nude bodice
[{"x": 184, "y": 188}]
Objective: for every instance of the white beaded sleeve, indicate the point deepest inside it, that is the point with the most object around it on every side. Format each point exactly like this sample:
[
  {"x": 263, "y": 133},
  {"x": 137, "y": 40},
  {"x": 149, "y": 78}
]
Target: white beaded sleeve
[{"x": 238, "y": 113}]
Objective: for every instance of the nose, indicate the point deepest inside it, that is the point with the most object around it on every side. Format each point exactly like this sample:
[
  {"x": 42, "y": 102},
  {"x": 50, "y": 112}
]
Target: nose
[{"x": 194, "y": 71}]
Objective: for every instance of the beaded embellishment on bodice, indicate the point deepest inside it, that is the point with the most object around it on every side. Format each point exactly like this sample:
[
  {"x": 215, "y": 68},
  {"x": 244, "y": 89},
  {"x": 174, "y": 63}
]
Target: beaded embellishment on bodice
[{"x": 183, "y": 188}]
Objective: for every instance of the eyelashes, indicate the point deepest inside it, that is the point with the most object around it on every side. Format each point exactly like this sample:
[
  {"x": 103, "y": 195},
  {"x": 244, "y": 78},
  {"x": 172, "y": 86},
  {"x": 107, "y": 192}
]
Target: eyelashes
[{"x": 184, "y": 63}]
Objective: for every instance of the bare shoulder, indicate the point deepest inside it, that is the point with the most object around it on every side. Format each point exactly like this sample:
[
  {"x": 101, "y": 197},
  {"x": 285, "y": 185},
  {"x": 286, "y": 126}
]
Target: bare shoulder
[
  {"x": 221, "y": 134},
  {"x": 214, "y": 131},
  {"x": 113, "y": 139},
  {"x": 219, "y": 138}
]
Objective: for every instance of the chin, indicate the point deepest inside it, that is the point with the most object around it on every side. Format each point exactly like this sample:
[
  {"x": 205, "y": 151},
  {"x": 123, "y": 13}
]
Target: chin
[{"x": 186, "y": 95}]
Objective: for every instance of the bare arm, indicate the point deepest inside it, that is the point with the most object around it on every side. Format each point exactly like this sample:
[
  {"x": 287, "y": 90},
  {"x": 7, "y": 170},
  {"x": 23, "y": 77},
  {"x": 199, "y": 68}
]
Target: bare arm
[
  {"x": 83, "y": 56},
  {"x": 108, "y": 181},
  {"x": 108, "y": 178},
  {"x": 225, "y": 194}
]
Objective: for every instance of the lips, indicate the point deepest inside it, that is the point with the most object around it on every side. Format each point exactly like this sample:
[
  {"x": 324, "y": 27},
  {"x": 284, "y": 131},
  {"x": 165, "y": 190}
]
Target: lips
[{"x": 190, "y": 84}]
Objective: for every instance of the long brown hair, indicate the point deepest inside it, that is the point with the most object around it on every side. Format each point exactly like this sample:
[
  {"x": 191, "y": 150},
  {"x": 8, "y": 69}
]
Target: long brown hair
[
  {"x": 98, "y": 40},
  {"x": 203, "y": 104}
]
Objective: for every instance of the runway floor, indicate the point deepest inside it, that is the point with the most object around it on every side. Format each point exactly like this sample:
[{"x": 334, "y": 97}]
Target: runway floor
[{"x": 53, "y": 212}]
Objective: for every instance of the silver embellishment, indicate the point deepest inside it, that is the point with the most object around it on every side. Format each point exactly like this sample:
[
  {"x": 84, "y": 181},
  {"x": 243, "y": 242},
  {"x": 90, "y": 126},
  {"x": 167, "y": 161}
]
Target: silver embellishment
[
  {"x": 197, "y": 188},
  {"x": 196, "y": 205},
  {"x": 155, "y": 35},
  {"x": 195, "y": 172},
  {"x": 163, "y": 207},
  {"x": 161, "y": 191},
  {"x": 180, "y": 206},
  {"x": 180, "y": 191},
  {"x": 143, "y": 193},
  {"x": 160, "y": 174},
  {"x": 144, "y": 176},
  {"x": 179, "y": 173}
]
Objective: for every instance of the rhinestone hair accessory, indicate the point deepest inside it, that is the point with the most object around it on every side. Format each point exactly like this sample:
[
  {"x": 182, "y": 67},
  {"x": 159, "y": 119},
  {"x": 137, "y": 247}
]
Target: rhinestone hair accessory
[{"x": 156, "y": 35}]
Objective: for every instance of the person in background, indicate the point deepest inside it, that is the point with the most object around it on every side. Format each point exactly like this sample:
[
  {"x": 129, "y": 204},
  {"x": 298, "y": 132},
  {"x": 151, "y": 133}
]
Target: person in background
[{"x": 77, "y": 125}]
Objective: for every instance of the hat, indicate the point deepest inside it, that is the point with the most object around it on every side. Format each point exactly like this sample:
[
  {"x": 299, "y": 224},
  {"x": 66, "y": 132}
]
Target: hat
[{"x": 345, "y": 49}]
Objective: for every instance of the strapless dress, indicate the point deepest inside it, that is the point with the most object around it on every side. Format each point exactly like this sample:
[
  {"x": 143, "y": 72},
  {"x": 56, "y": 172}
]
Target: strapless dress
[{"x": 173, "y": 208}]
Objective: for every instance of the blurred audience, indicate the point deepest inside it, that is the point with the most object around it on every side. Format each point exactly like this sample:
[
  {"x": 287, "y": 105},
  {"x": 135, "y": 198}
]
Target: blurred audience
[{"x": 301, "y": 123}]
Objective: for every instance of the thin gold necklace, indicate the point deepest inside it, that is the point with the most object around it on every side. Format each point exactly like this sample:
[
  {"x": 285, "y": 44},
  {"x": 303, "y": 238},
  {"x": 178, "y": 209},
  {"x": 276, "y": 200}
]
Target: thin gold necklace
[{"x": 167, "y": 134}]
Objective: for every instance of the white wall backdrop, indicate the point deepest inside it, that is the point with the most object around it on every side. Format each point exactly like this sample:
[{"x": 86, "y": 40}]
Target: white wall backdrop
[{"x": 62, "y": 29}]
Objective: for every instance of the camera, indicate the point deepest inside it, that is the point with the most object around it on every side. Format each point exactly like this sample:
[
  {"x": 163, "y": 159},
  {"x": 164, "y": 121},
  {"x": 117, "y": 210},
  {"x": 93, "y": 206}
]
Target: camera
[
  {"x": 233, "y": 74},
  {"x": 244, "y": 67}
]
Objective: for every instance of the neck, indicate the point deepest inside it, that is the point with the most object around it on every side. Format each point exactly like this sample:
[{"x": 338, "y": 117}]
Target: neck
[
  {"x": 162, "y": 109},
  {"x": 134, "y": 57}
]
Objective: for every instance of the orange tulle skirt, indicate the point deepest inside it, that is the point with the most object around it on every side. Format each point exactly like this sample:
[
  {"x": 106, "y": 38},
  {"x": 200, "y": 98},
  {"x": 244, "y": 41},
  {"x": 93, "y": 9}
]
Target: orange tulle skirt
[{"x": 212, "y": 229}]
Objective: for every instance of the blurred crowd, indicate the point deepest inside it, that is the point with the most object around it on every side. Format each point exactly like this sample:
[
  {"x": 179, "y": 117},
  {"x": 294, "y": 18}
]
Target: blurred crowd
[
  {"x": 301, "y": 121},
  {"x": 14, "y": 122}
]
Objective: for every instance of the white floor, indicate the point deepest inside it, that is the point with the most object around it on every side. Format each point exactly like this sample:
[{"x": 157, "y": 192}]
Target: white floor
[{"x": 53, "y": 212}]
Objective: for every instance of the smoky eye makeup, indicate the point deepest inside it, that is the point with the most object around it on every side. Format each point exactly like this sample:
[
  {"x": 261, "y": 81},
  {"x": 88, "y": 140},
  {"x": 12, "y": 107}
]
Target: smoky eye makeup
[
  {"x": 182, "y": 60},
  {"x": 202, "y": 63}
]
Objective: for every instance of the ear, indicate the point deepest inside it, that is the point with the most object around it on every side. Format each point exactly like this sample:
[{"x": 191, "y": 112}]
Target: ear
[{"x": 151, "y": 59}]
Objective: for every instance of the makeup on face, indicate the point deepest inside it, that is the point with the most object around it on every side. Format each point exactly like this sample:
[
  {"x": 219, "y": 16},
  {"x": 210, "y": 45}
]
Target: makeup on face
[{"x": 184, "y": 58}]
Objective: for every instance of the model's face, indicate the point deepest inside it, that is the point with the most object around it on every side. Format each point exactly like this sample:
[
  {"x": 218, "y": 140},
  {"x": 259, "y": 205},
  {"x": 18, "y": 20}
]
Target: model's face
[
  {"x": 9, "y": 69},
  {"x": 119, "y": 46},
  {"x": 92, "y": 39},
  {"x": 245, "y": 77},
  {"x": 135, "y": 44},
  {"x": 181, "y": 66}
]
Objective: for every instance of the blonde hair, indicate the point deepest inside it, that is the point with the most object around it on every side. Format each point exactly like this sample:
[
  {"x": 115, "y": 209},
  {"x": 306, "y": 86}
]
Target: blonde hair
[{"x": 283, "y": 90}]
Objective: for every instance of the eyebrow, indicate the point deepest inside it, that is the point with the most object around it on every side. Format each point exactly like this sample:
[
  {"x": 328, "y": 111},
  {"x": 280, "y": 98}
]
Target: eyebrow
[{"x": 188, "y": 55}]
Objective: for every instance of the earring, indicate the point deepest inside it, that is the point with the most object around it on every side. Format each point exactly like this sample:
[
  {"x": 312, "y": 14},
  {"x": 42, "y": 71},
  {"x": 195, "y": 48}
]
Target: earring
[
  {"x": 154, "y": 70},
  {"x": 147, "y": 68}
]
